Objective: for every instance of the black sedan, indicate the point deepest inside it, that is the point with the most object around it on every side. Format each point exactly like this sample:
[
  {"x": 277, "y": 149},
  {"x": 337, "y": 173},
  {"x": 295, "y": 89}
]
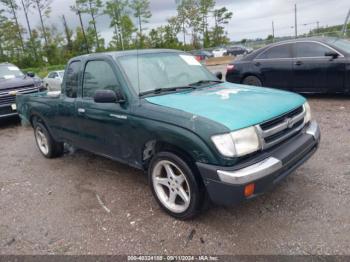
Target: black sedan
[
  {"x": 309, "y": 65},
  {"x": 238, "y": 50}
]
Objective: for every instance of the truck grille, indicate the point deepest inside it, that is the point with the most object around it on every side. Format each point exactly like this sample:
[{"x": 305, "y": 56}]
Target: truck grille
[
  {"x": 7, "y": 97},
  {"x": 279, "y": 129}
]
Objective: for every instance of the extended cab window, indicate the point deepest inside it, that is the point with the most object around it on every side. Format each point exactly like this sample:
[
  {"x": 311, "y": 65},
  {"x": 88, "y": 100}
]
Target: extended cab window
[
  {"x": 99, "y": 75},
  {"x": 305, "y": 49},
  {"x": 72, "y": 79},
  {"x": 281, "y": 51}
]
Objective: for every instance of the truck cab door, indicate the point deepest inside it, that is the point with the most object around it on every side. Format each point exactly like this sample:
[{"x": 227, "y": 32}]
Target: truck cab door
[
  {"x": 103, "y": 127},
  {"x": 68, "y": 129}
]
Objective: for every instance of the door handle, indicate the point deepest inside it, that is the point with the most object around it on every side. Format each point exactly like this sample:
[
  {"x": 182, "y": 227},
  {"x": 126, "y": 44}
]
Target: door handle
[
  {"x": 298, "y": 63},
  {"x": 81, "y": 110}
]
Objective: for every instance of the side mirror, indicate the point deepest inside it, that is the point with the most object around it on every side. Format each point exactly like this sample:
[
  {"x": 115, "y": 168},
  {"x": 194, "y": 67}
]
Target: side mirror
[
  {"x": 108, "y": 96},
  {"x": 105, "y": 96},
  {"x": 218, "y": 75},
  {"x": 332, "y": 54},
  {"x": 30, "y": 74}
]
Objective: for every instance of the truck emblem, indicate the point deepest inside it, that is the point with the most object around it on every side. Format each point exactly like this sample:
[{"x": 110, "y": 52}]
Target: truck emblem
[
  {"x": 13, "y": 93},
  {"x": 289, "y": 122}
]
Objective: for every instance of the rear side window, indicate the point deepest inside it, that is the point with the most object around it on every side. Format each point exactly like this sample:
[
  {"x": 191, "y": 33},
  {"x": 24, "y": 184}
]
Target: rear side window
[
  {"x": 281, "y": 51},
  {"x": 99, "y": 75},
  {"x": 305, "y": 49},
  {"x": 72, "y": 79}
]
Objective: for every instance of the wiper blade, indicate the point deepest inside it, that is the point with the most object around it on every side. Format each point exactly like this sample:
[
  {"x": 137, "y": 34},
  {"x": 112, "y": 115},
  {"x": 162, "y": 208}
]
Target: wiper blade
[
  {"x": 162, "y": 90},
  {"x": 202, "y": 82}
]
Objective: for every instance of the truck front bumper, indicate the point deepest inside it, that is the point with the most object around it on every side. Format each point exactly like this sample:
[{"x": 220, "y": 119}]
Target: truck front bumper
[
  {"x": 7, "y": 110},
  {"x": 226, "y": 185}
]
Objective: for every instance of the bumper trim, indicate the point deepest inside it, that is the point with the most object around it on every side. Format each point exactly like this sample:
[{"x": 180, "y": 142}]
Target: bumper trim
[
  {"x": 314, "y": 130},
  {"x": 251, "y": 173}
]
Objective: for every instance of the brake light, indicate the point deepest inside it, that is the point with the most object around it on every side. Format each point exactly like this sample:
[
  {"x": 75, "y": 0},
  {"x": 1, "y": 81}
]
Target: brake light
[
  {"x": 230, "y": 67},
  {"x": 198, "y": 58}
]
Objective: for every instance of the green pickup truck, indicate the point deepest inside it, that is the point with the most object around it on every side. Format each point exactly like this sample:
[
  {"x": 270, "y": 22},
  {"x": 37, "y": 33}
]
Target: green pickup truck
[{"x": 201, "y": 140}]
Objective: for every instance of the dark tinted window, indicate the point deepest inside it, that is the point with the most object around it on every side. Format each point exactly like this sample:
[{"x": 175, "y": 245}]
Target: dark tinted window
[
  {"x": 281, "y": 51},
  {"x": 99, "y": 75},
  {"x": 72, "y": 79},
  {"x": 305, "y": 49}
]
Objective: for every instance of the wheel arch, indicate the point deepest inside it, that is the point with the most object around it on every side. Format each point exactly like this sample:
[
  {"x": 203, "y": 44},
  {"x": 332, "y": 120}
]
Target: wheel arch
[{"x": 245, "y": 75}]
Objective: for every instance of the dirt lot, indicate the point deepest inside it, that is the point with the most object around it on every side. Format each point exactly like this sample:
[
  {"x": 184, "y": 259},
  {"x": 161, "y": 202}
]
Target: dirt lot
[{"x": 84, "y": 204}]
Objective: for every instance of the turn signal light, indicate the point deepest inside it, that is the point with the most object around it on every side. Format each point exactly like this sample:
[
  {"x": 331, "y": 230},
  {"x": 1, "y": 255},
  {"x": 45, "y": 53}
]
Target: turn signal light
[{"x": 249, "y": 190}]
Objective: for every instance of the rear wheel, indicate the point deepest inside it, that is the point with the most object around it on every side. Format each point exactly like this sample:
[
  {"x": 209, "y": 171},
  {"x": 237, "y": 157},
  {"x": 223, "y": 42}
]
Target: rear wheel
[
  {"x": 252, "y": 81},
  {"x": 175, "y": 186},
  {"x": 46, "y": 144}
]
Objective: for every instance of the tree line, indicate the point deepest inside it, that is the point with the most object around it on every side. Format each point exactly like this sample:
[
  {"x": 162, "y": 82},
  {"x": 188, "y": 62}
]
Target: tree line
[{"x": 198, "y": 23}]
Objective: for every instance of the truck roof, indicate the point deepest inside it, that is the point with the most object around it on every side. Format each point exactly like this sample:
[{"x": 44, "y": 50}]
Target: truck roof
[{"x": 130, "y": 52}]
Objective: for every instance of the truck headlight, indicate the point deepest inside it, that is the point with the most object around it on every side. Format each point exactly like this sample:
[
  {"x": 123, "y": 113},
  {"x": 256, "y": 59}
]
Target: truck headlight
[
  {"x": 238, "y": 143},
  {"x": 308, "y": 116}
]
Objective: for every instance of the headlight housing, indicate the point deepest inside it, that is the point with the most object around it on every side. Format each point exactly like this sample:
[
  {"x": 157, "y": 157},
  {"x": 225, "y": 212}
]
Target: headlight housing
[
  {"x": 308, "y": 115},
  {"x": 238, "y": 143}
]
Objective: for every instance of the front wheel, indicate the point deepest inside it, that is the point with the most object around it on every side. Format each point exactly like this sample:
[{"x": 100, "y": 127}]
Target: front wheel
[
  {"x": 46, "y": 144},
  {"x": 252, "y": 81},
  {"x": 175, "y": 186}
]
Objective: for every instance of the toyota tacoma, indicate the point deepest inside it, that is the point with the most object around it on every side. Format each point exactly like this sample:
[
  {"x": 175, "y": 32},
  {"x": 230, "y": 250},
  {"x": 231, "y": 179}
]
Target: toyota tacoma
[{"x": 199, "y": 139}]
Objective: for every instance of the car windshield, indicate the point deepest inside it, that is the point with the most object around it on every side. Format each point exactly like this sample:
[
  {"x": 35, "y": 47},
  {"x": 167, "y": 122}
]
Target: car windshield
[
  {"x": 342, "y": 44},
  {"x": 148, "y": 72},
  {"x": 9, "y": 72}
]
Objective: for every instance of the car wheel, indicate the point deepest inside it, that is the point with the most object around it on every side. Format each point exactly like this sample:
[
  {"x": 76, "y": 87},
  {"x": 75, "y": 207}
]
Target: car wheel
[
  {"x": 252, "y": 81},
  {"x": 46, "y": 144},
  {"x": 175, "y": 186}
]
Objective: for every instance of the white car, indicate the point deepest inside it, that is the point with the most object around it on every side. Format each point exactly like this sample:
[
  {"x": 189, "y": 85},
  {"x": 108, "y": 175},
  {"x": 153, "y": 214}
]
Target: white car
[
  {"x": 219, "y": 52},
  {"x": 53, "y": 80}
]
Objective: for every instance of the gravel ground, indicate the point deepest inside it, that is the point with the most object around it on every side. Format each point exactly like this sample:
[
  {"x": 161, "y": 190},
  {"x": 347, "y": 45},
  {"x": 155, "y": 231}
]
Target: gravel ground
[{"x": 85, "y": 204}]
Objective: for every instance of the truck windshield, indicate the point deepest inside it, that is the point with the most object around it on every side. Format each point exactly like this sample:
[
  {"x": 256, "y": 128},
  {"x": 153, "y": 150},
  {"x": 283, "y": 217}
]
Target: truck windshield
[
  {"x": 9, "y": 71},
  {"x": 148, "y": 72}
]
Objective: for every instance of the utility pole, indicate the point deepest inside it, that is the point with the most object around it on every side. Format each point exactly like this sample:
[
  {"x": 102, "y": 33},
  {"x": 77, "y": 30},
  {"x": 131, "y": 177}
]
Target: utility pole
[
  {"x": 345, "y": 27},
  {"x": 82, "y": 28},
  {"x": 273, "y": 31},
  {"x": 296, "y": 21}
]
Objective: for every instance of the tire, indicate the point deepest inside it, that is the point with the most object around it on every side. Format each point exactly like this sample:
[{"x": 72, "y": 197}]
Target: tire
[
  {"x": 170, "y": 188},
  {"x": 47, "y": 146},
  {"x": 252, "y": 81}
]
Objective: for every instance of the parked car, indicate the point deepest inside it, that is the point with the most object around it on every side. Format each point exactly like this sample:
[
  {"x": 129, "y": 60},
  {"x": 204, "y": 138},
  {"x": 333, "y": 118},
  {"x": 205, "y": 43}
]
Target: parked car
[
  {"x": 237, "y": 50},
  {"x": 12, "y": 82},
  {"x": 219, "y": 52},
  {"x": 202, "y": 54},
  {"x": 308, "y": 65},
  {"x": 197, "y": 137},
  {"x": 53, "y": 80}
]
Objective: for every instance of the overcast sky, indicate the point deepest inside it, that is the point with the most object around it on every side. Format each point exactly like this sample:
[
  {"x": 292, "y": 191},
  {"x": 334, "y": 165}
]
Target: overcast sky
[{"x": 251, "y": 19}]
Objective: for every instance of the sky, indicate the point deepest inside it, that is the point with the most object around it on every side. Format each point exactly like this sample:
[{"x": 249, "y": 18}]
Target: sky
[{"x": 251, "y": 18}]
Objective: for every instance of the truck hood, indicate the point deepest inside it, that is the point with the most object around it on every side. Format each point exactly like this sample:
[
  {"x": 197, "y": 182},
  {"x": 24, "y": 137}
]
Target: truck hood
[
  {"x": 234, "y": 106},
  {"x": 16, "y": 82}
]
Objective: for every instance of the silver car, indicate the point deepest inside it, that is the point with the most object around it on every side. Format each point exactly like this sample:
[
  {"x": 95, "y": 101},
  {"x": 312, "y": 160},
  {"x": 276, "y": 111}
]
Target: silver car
[{"x": 53, "y": 80}]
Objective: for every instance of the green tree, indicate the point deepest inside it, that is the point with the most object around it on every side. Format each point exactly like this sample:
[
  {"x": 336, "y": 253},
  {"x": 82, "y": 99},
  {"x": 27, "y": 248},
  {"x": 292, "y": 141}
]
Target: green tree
[
  {"x": 143, "y": 13},
  {"x": 12, "y": 8},
  {"x": 92, "y": 7},
  {"x": 117, "y": 10},
  {"x": 205, "y": 8},
  {"x": 221, "y": 17},
  {"x": 190, "y": 18},
  {"x": 44, "y": 9}
]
